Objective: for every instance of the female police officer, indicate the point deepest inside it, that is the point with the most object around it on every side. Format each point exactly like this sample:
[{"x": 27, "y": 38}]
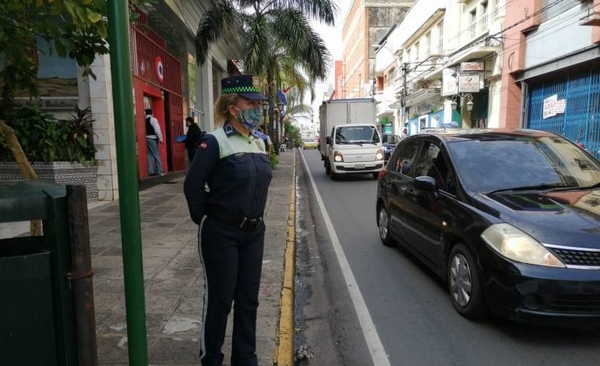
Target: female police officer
[{"x": 226, "y": 190}]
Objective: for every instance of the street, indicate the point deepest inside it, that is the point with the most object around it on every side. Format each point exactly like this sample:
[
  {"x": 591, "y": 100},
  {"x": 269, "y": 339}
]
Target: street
[{"x": 413, "y": 320}]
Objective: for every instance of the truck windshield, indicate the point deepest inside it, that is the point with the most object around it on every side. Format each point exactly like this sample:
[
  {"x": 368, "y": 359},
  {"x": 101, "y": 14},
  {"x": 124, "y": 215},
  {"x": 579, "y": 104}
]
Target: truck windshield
[{"x": 356, "y": 135}]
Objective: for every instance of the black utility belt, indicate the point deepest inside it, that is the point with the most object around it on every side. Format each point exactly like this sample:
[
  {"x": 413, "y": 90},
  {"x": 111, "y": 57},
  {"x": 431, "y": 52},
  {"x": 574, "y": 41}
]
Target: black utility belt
[{"x": 241, "y": 222}]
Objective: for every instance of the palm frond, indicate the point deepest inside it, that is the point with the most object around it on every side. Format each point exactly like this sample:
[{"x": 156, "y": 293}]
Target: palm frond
[
  {"x": 258, "y": 43},
  {"x": 219, "y": 22},
  {"x": 321, "y": 10},
  {"x": 295, "y": 34}
]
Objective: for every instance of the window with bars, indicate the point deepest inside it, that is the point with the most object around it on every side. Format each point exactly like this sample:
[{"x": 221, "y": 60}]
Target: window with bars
[{"x": 473, "y": 23}]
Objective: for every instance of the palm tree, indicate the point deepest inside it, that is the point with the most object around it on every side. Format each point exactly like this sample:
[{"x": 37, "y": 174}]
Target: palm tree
[{"x": 270, "y": 32}]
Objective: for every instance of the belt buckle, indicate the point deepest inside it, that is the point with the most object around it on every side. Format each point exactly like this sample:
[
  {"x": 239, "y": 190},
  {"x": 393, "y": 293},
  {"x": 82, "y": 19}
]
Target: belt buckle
[{"x": 250, "y": 223}]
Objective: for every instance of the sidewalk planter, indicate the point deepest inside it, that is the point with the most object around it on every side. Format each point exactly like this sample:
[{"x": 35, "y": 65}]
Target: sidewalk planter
[{"x": 61, "y": 172}]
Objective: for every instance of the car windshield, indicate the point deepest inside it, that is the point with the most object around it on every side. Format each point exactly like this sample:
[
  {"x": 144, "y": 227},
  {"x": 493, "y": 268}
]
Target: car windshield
[
  {"x": 523, "y": 163},
  {"x": 356, "y": 135}
]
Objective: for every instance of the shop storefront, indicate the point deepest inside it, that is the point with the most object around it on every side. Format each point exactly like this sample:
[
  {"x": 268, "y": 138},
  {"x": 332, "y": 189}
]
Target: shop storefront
[
  {"x": 567, "y": 104},
  {"x": 157, "y": 84}
]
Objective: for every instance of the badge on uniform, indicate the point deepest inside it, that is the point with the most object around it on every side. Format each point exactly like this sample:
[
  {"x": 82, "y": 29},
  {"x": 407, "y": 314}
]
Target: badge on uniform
[{"x": 260, "y": 144}]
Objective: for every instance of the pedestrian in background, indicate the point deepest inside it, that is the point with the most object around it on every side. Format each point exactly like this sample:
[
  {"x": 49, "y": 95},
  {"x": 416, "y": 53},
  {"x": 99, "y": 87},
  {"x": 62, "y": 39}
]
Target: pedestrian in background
[
  {"x": 266, "y": 139},
  {"x": 192, "y": 138},
  {"x": 153, "y": 138},
  {"x": 232, "y": 163}
]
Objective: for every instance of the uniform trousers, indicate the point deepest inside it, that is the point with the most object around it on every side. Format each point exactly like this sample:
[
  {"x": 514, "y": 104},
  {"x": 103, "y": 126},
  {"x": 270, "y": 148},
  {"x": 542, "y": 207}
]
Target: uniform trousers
[{"x": 232, "y": 261}]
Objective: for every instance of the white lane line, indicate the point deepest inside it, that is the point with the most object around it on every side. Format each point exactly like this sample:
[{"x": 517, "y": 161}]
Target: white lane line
[{"x": 378, "y": 354}]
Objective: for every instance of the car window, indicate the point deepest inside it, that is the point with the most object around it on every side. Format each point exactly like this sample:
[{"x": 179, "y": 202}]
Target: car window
[
  {"x": 486, "y": 166},
  {"x": 406, "y": 157},
  {"x": 357, "y": 135},
  {"x": 425, "y": 164}
]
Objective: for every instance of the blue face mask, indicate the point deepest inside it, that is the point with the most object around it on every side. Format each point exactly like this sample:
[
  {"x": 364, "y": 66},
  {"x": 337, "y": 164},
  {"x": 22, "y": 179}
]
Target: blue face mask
[{"x": 250, "y": 118}]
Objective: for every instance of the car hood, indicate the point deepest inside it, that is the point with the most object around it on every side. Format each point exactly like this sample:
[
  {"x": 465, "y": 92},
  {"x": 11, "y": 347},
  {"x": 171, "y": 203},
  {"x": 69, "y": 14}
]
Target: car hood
[{"x": 562, "y": 218}]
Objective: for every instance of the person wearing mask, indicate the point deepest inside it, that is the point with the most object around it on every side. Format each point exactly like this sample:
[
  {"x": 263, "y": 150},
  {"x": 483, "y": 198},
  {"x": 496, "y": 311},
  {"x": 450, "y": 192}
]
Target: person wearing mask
[
  {"x": 193, "y": 135},
  {"x": 153, "y": 138},
  {"x": 226, "y": 192}
]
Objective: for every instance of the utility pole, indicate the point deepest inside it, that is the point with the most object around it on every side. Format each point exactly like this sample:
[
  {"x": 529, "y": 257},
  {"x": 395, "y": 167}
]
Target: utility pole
[{"x": 404, "y": 94}]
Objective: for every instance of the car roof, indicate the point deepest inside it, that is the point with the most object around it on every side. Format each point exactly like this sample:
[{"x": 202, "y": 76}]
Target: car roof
[{"x": 461, "y": 134}]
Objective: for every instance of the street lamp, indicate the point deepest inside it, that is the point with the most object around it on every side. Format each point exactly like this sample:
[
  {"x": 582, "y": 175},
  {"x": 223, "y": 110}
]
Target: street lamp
[{"x": 469, "y": 104}]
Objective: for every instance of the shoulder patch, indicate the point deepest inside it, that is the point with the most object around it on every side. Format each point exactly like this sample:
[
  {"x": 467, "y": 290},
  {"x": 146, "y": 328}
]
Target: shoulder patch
[{"x": 203, "y": 145}]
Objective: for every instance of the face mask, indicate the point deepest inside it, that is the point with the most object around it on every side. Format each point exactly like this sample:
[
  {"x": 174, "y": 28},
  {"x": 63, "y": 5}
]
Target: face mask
[{"x": 250, "y": 118}]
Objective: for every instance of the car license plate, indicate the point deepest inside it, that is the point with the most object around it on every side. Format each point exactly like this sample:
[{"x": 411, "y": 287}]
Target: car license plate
[{"x": 360, "y": 166}]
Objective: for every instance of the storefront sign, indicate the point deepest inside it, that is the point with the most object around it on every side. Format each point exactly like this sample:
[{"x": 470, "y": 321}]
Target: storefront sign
[
  {"x": 449, "y": 82},
  {"x": 468, "y": 83},
  {"x": 472, "y": 66},
  {"x": 553, "y": 106}
]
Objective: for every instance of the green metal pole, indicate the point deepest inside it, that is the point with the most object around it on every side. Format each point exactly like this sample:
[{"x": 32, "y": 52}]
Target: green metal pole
[{"x": 129, "y": 202}]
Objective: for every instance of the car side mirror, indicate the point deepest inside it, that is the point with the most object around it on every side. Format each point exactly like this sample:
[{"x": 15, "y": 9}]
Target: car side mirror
[
  {"x": 425, "y": 183},
  {"x": 328, "y": 140}
]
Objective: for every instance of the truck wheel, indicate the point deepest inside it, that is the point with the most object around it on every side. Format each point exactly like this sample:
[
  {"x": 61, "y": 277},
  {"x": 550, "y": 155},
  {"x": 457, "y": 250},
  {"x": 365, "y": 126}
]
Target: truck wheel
[
  {"x": 327, "y": 168},
  {"x": 333, "y": 176}
]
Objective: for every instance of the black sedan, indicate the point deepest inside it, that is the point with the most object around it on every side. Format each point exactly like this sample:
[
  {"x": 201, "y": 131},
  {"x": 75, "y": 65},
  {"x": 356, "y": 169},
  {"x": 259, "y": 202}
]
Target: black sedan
[{"x": 509, "y": 219}]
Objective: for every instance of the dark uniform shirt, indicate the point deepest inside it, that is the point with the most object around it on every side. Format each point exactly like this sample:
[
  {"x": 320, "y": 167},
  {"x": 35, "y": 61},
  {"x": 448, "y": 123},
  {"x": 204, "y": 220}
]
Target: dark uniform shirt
[{"x": 231, "y": 171}]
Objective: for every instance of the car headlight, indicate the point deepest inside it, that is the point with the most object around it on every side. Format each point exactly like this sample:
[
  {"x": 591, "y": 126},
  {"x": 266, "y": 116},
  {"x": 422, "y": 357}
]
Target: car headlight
[
  {"x": 379, "y": 155},
  {"x": 337, "y": 157},
  {"x": 516, "y": 245}
]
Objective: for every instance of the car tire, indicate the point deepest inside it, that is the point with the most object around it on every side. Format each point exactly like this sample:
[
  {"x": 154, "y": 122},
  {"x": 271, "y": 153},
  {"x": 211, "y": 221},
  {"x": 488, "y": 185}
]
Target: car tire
[
  {"x": 327, "y": 168},
  {"x": 464, "y": 284},
  {"x": 333, "y": 175},
  {"x": 383, "y": 223}
]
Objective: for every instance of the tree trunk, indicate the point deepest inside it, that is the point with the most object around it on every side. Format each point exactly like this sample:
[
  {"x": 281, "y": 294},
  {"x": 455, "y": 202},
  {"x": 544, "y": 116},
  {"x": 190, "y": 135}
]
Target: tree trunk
[{"x": 10, "y": 137}]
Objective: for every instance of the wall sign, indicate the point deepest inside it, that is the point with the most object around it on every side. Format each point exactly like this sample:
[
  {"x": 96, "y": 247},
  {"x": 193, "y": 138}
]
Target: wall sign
[
  {"x": 158, "y": 68},
  {"x": 468, "y": 83},
  {"x": 553, "y": 106}
]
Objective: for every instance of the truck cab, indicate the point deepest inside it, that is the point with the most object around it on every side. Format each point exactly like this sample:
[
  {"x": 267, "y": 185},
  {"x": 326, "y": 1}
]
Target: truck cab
[{"x": 353, "y": 149}]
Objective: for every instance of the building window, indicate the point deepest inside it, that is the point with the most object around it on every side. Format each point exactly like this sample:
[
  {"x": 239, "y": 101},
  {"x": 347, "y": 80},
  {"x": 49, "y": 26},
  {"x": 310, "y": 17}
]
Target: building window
[
  {"x": 390, "y": 76},
  {"x": 428, "y": 44},
  {"x": 473, "y": 23},
  {"x": 408, "y": 59},
  {"x": 484, "y": 15},
  {"x": 440, "y": 28},
  {"x": 417, "y": 51}
]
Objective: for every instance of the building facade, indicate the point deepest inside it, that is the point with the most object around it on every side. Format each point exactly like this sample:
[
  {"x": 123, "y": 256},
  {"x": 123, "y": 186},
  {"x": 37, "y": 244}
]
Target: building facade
[
  {"x": 552, "y": 72},
  {"x": 366, "y": 23},
  {"x": 166, "y": 78}
]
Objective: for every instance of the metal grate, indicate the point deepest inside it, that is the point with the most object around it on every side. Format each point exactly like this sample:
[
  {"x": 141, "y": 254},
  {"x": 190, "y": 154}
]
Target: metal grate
[
  {"x": 578, "y": 257},
  {"x": 575, "y": 304},
  {"x": 580, "y": 121}
]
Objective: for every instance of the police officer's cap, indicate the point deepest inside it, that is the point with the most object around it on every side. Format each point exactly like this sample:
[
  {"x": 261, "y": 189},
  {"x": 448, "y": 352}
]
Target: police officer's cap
[{"x": 242, "y": 85}]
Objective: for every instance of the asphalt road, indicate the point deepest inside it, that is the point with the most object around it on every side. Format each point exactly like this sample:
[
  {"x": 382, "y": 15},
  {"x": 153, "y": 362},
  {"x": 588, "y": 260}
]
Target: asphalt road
[{"x": 409, "y": 307}]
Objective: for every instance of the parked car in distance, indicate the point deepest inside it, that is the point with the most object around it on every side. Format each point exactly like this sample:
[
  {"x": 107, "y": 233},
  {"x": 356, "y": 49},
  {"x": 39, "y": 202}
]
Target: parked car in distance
[
  {"x": 310, "y": 143},
  {"x": 509, "y": 219},
  {"x": 389, "y": 142}
]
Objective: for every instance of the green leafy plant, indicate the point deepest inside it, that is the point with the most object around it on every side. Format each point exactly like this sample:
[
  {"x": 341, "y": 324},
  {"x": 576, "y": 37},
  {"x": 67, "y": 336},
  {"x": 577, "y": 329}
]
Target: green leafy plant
[
  {"x": 273, "y": 159},
  {"x": 45, "y": 138}
]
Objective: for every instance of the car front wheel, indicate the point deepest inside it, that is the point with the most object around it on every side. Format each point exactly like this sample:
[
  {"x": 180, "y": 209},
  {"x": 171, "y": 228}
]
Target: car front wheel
[
  {"x": 464, "y": 284},
  {"x": 383, "y": 222}
]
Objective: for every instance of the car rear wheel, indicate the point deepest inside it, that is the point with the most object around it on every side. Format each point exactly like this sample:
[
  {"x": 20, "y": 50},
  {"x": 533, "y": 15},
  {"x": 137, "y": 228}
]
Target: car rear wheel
[
  {"x": 383, "y": 222},
  {"x": 464, "y": 284}
]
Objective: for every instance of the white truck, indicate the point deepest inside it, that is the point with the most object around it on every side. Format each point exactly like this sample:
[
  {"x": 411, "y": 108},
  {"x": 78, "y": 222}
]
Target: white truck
[{"x": 349, "y": 140}]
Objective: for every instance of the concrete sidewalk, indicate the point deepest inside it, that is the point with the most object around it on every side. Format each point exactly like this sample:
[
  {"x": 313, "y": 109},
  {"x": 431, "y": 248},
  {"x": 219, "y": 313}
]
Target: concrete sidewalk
[{"x": 173, "y": 281}]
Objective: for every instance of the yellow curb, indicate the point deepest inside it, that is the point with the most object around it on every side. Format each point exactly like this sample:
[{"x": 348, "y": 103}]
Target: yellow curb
[{"x": 284, "y": 353}]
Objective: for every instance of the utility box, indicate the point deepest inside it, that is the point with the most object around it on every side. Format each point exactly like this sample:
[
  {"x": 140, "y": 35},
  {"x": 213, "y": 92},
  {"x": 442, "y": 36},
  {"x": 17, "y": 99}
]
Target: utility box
[{"x": 37, "y": 317}]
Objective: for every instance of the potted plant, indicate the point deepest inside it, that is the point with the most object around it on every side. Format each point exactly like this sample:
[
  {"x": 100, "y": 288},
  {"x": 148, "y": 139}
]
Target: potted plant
[{"x": 61, "y": 151}]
